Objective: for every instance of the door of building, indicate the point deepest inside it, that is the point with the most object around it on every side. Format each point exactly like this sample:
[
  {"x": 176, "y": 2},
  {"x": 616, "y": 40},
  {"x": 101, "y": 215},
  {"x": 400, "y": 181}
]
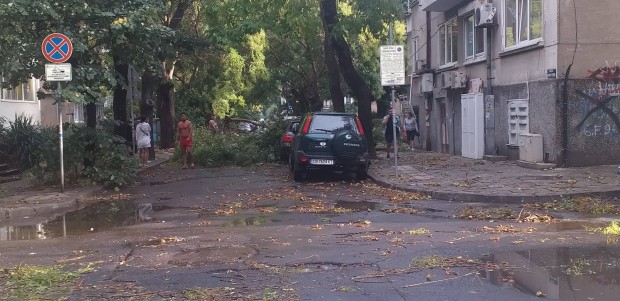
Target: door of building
[{"x": 472, "y": 118}]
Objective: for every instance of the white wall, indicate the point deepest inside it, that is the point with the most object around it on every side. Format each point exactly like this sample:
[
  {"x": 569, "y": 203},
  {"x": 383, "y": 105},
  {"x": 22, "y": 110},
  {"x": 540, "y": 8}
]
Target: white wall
[{"x": 10, "y": 109}]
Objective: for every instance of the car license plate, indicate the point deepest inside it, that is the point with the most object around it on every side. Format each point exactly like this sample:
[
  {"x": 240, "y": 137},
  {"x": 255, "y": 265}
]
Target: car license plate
[{"x": 321, "y": 162}]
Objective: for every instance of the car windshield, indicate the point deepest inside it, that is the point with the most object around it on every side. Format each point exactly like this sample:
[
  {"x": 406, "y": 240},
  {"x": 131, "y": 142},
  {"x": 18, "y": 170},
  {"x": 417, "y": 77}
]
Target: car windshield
[{"x": 332, "y": 124}]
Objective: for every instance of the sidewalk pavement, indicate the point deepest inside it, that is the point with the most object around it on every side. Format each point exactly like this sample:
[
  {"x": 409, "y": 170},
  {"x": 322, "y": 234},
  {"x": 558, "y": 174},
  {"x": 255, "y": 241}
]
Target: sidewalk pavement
[
  {"x": 23, "y": 199},
  {"x": 448, "y": 177}
]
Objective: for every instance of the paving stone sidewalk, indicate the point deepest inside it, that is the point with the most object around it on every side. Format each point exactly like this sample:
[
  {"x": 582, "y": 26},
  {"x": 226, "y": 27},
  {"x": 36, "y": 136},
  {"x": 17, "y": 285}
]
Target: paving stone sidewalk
[
  {"x": 23, "y": 198},
  {"x": 457, "y": 178}
]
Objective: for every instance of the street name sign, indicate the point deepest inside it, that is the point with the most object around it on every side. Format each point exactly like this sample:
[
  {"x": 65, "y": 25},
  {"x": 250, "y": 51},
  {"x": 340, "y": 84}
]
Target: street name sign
[{"x": 392, "y": 65}]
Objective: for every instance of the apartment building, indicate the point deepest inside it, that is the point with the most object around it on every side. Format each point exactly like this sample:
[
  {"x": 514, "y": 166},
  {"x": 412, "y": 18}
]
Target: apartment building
[
  {"x": 493, "y": 77},
  {"x": 23, "y": 100}
]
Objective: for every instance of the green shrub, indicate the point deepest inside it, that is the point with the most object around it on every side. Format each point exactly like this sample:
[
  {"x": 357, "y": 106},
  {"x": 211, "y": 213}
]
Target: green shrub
[
  {"x": 23, "y": 141},
  {"x": 214, "y": 150},
  {"x": 96, "y": 155}
]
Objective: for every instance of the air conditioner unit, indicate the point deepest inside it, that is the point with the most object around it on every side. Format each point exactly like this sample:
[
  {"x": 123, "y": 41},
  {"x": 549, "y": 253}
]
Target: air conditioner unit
[
  {"x": 427, "y": 84},
  {"x": 485, "y": 14},
  {"x": 420, "y": 65},
  {"x": 447, "y": 81},
  {"x": 460, "y": 80}
]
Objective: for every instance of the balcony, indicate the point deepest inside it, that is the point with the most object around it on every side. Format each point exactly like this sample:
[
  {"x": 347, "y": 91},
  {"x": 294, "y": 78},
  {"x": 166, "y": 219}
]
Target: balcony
[{"x": 440, "y": 5}]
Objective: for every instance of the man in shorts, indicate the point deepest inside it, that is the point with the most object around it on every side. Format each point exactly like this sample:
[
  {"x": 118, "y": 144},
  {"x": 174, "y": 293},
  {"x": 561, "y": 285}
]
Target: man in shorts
[{"x": 184, "y": 134}]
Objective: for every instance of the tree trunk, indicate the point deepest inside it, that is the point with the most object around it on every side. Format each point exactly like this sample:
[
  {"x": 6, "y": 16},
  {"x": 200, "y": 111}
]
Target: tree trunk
[
  {"x": 91, "y": 115},
  {"x": 333, "y": 73},
  {"x": 147, "y": 105},
  {"x": 119, "y": 103},
  {"x": 356, "y": 83},
  {"x": 165, "y": 108}
]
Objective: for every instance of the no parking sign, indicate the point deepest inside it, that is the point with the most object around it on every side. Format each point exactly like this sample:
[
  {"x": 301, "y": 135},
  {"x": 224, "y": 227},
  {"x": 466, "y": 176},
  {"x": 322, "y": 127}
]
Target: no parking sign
[{"x": 57, "y": 48}]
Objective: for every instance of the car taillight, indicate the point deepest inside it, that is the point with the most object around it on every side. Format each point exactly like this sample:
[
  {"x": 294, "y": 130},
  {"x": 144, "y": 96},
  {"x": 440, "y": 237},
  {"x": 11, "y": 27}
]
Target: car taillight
[
  {"x": 359, "y": 125},
  {"x": 306, "y": 127},
  {"x": 303, "y": 159},
  {"x": 287, "y": 138}
]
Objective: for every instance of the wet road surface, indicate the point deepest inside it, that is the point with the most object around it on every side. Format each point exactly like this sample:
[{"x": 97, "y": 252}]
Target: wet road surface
[{"x": 254, "y": 234}]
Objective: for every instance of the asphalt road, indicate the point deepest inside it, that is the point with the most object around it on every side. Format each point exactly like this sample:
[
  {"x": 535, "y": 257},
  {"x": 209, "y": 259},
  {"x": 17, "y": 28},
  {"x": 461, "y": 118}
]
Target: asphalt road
[{"x": 254, "y": 234}]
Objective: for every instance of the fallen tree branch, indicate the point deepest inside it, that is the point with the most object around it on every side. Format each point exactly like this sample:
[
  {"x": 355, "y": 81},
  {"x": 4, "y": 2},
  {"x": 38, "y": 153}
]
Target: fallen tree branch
[{"x": 437, "y": 281}]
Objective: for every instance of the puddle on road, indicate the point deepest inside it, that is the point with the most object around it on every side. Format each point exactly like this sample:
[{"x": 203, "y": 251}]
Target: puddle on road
[
  {"x": 565, "y": 273},
  {"x": 94, "y": 218}
]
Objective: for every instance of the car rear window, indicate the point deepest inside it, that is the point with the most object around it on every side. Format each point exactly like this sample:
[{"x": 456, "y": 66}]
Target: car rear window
[{"x": 332, "y": 123}]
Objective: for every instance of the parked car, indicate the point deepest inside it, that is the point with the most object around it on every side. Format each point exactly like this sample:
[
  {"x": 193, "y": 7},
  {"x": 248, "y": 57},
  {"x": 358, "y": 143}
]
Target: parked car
[
  {"x": 329, "y": 142},
  {"x": 292, "y": 125}
]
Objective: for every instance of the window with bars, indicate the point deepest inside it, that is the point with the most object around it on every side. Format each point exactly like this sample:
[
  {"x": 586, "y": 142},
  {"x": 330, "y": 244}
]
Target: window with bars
[{"x": 448, "y": 43}]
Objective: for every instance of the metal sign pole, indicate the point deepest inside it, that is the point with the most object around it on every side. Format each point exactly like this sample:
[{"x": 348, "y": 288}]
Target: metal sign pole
[
  {"x": 60, "y": 140},
  {"x": 394, "y": 123}
]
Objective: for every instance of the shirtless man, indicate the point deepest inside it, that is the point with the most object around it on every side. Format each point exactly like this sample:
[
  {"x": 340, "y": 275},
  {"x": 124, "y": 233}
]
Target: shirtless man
[{"x": 184, "y": 134}]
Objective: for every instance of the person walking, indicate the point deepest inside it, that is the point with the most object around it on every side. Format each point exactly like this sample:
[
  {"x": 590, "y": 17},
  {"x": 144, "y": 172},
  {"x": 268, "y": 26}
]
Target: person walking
[
  {"x": 411, "y": 128},
  {"x": 143, "y": 140},
  {"x": 184, "y": 135},
  {"x": 388, "y": 130}
]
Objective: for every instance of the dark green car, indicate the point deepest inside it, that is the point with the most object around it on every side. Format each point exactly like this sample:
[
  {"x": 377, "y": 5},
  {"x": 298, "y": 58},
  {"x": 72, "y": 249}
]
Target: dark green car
[{"x": 329, "y": 142}]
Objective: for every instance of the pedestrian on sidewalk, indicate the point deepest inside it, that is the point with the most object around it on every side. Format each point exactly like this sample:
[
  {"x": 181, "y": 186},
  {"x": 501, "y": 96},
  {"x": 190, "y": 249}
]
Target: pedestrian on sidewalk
[
  {"x": 143, "y": 140},
  {"x": 388, "y": 130},
  {"x": 184, "y": 134},
  {"x": 411, "y": 128}
]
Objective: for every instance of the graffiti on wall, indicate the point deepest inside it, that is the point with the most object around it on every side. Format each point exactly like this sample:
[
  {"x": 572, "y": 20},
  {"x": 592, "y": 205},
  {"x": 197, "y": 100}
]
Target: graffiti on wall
[{"x": 600, "y": 104}]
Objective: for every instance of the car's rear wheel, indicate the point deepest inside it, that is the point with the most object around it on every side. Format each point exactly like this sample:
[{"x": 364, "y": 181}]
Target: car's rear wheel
[
  {"x": 291, "y": 162},
  {"x": 298, "y": 175},
  {"x": 283, "y": 156}
]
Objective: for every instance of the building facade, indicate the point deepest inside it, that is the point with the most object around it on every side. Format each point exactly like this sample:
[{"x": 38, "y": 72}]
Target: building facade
[{"x": 485, "y": 74}]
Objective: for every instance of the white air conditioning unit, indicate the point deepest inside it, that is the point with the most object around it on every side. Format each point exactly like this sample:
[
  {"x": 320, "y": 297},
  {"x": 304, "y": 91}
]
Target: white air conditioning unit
[
  {"x": 420, "y": 65},
  {"x": 460, "y": 80},
  {"x": 427, "y": 83},
  {"x": 485, "y": 14},
  {"x": 447, "y": 81}
]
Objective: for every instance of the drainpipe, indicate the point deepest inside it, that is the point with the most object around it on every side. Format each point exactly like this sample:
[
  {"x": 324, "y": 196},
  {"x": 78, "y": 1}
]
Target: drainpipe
[
  {"x": 490, "y": 146},
  {"x": 429, "y": 96}
]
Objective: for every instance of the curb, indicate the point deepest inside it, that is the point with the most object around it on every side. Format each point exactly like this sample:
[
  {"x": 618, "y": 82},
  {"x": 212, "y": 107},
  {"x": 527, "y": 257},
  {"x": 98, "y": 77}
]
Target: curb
[
  {"x": 11, "y": 214},
  {"x": 488, "y": 198}
]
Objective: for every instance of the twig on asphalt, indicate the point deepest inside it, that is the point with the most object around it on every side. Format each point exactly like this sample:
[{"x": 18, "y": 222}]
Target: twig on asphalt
[
  {"x": 437, "y": 281},
  {"x": 519, "y": 217}
]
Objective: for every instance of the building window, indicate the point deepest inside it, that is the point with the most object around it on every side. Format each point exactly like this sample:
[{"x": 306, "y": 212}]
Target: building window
[
  {"x": 21, "y": 92},
  {"x": 518, "y": 120},
  {"x": 413, "y": 57},
  {"x": 474, "y": 39},
  {"x": 448, "y": 39},
  {"x": 522, "y": 22}
]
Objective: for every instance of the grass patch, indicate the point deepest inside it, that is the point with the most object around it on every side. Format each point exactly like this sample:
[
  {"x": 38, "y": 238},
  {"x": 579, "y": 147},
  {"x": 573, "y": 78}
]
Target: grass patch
[
  {"x": 470, "y": 212},
  {"x": 586, "y": 205},
  {"x": 421, "y": 231},
  {"x": 35, "y": 282},
  {"x": 612, "y": 229},
  {"x": 429, "y": 262}
]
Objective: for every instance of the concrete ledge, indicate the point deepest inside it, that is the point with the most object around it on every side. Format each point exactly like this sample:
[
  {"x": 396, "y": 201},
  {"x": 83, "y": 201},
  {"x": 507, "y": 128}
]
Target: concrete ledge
[
  {"x": 495, "y": 158},
  {"x": 534, "y": 165},
  {"x": 494, "y": 198}
]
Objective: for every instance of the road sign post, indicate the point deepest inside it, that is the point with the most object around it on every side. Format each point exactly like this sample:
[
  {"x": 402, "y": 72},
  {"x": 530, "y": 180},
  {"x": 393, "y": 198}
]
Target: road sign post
[
  {"x": 393, "y": 74},
  {"x": 57, "y": 49}
]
